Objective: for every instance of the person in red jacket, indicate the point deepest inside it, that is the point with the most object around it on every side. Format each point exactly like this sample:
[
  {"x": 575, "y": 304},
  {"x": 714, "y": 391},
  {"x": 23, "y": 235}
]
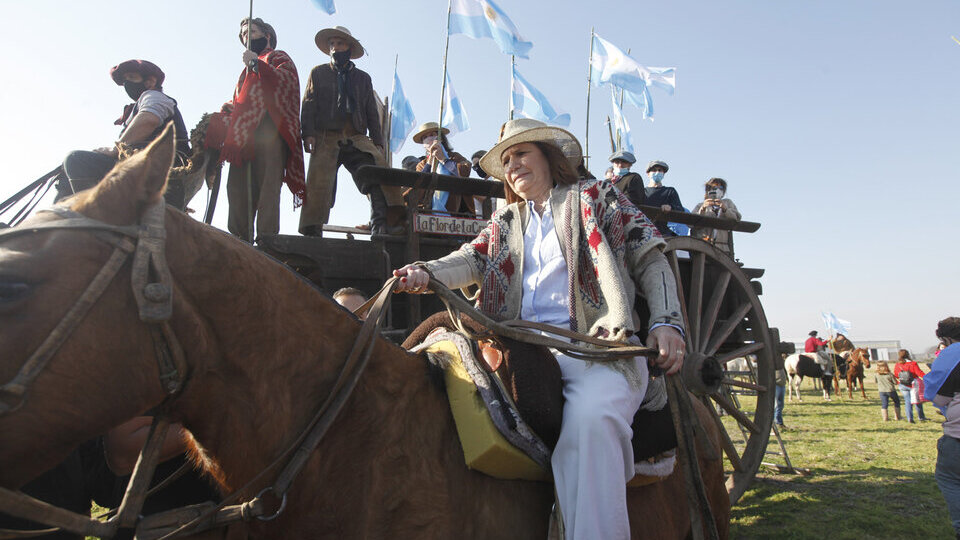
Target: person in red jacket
[
  {"x": 813, "y": 343},
  {"x": 906, "y": 371}
]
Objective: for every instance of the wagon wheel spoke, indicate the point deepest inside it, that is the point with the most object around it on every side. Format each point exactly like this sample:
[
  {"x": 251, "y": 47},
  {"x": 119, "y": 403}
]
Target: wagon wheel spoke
[
  {"x": 675, "y": 267},
  {"x": 728, "y": 327},
  {"x": 741, "y": 384},
  {"x": 728, "y": 447},
  {"x": 733, "y": 411},
  {"x": 713, "y": 308},
  {"x": 740, "y": 352},
  {"x": 694, "y": 311}
]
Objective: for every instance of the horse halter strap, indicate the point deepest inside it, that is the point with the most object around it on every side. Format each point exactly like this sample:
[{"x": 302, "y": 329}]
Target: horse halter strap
[
  {"x": 153, "y": 291},
  {"x": 154, "y": 298}
]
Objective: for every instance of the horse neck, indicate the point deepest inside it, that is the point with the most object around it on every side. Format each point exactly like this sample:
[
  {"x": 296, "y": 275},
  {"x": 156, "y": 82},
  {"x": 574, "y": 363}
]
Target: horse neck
[{"x": 275, "y": 347}]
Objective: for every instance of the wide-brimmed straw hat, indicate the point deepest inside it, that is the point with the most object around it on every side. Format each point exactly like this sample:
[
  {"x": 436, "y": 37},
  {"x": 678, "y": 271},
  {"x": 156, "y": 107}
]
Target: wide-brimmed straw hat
[
  {"x": 425, "y": 130},
  {"x": 322, "y": 40},
  {"x": 524, "y": 130},
  {"x": 143, "y": 67}
]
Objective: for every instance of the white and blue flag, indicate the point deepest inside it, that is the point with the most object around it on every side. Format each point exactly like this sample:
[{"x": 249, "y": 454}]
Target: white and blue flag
[
  {"x": 402, "y": 120},
  {"x": 610, "y": 65},
  {"x": 326, "y": 5},
  {"x": 484, "y": 19},
  {"x": 835, "y": 325},
  {"x": 625, "y": 141},
  {"x": 454, "y": 115},
  {"x": 527, "y": 101}
]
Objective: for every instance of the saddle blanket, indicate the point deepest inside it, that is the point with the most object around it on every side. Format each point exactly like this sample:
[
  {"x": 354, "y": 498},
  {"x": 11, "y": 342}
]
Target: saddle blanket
[{"x": 496, "y": 437}]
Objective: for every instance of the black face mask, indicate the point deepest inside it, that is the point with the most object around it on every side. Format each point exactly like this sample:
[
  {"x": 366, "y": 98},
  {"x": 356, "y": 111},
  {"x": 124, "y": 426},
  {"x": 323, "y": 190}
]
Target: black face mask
[
  {"x": 481, "y": 172},
  {"x": 257, "y": 45},
  {"x": 134, "y": 89},
  {"x": 341, "y": 58}
]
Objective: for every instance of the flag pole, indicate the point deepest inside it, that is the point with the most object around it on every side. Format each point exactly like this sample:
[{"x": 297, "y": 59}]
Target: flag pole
[
  {"x": 249, "y": 166},
  {"x": 443, "y": 86},
  {"x": 613, "y": 147},
  {"x": 387, "y": 103},
  {"x": 586, "y": 138},
  {"x": 513, "y": 67}
]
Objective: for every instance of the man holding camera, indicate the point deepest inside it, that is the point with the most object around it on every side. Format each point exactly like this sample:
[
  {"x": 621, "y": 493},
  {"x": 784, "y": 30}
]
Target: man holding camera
[{"x": 716, "y": 205}]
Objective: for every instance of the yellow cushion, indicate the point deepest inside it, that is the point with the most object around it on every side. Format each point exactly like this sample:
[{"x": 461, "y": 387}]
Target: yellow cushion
[{"x": 484, "y": 448}]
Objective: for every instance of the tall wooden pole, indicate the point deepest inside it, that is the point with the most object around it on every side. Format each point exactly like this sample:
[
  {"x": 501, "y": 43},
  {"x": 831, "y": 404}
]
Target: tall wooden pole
[
  {"x": 443, "y": 88},
  {"x": 249, "y": 165},
  {"x": 586, "y": 138}
]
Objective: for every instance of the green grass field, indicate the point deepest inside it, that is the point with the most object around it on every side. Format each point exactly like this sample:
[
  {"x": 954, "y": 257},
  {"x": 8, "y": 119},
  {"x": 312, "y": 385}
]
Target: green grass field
[{"x": 869, "y": 479}]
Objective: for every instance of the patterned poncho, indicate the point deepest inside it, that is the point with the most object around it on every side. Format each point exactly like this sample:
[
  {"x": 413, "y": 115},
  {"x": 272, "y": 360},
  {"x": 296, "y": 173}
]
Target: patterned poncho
[
  {"x": 275, "y": 89},
  {"x": 609, "y": 245}
]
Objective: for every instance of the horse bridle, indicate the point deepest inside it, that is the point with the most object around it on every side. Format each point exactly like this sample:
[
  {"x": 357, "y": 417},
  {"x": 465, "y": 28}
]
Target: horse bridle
[
  {"x": 154, "y": 297},
  {"x": 153, "y": 291}
]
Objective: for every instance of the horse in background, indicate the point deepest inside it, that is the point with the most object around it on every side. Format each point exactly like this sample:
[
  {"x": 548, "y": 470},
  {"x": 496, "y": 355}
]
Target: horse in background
[
  {"x": 800, "y": 365},
  {"x": 857, "y": 360},
  {"x": 264, "y": 348}
]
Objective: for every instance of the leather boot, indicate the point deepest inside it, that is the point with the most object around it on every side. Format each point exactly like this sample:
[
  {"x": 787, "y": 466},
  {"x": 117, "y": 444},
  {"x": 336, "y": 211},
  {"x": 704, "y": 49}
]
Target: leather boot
[{"x": 378, "y": 211}]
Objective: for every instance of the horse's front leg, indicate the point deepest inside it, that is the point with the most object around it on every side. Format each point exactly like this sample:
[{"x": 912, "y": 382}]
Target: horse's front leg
[{"x": 863, "y": 391}]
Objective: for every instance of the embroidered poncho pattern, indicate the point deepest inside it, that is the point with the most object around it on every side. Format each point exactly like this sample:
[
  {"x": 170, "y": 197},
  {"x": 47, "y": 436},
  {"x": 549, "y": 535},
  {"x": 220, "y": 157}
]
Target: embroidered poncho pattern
[{"x": 275, "y": 89}]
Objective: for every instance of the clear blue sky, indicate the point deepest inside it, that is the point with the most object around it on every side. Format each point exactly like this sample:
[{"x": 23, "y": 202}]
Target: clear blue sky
[{"x": 835, "y": 122}]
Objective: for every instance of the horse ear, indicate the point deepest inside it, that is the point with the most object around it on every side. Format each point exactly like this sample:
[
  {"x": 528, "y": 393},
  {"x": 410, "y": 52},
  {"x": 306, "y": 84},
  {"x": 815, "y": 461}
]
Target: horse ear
[{"x": 133, "y": 184}]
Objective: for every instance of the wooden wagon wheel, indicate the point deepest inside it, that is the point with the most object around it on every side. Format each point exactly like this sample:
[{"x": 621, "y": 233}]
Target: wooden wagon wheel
[{"x": 724, "y": 320}]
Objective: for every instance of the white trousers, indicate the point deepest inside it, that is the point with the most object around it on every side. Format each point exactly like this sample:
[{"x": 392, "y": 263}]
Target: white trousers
[{"x": 593, "y": 460}]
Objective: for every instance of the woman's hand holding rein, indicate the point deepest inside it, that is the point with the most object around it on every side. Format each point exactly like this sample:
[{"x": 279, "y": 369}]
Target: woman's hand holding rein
[{"x": 413, "y": 279}]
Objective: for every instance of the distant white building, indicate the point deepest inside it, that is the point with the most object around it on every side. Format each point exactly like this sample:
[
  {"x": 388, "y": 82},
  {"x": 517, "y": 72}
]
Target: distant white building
[{"x": 885, "y": 350}]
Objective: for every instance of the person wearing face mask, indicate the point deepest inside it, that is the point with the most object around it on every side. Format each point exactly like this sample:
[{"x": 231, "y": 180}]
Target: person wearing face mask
[
  {"x": 716, "y": 205},
  {"x": 142, "y": 121},
  {"x": 630, "y": 183},
  {"x": 259, "y": 130},
  {"x": 660, "y": 195},
  {"x": 341, "y": 126},
  {"x": 440, "y": 155}
]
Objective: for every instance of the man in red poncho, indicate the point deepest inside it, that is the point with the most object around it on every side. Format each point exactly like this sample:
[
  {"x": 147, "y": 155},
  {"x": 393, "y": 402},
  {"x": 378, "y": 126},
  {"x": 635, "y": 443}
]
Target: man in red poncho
[{"x": 260, "y": 131}]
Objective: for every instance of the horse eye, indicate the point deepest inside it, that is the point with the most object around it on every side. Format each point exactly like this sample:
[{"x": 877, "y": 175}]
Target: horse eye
[{"x": 10, "y": 291}]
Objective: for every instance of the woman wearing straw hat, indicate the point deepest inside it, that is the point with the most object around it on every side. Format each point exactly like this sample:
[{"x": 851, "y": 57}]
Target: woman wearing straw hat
[{"x": 572, "y": 254}]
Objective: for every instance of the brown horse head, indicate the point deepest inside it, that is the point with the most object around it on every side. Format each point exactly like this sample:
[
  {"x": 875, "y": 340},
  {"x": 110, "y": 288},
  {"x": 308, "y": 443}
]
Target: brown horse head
[{"x": 41, "y": 276}]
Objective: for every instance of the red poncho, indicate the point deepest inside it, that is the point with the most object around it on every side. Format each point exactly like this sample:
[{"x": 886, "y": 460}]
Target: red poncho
[{"x": 273, "y": 88}]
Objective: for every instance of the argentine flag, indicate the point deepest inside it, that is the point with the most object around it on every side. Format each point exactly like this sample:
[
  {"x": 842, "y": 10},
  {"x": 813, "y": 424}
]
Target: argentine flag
[
  {"x": 527, "y": 101},
  {"x": 402, "y": 120},
  {"x": 484, "y": 19},
  {"x": 621, "y": 125},
  {"x": 454, "y": 116},
  {"x": 835, "y": 325},
  {"x": 609, "y": 65},
  {"x": 326, "y": 5}
]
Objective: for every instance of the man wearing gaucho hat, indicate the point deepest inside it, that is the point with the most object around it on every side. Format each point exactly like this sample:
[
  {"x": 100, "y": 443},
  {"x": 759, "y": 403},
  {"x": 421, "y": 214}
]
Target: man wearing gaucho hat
[
  {"x": 260, "y": 130},
  {"x": 341, "y": 126},
  {"x": 142, "y": 121}
]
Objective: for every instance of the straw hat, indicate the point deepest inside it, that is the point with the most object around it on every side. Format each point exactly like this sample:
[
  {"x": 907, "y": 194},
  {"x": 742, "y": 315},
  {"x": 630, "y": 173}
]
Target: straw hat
[
  {"x": 425, "y": 130},
  {"x": 322, "y": 40},
  {"x": 143, "y": 67},
  {"x": 524, "y": 130}
]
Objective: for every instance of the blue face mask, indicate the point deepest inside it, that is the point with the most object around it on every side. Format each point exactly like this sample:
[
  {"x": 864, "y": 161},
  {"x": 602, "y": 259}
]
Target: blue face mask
[
  {"x": 657, "y": 176},
  {"x": 617, "y": 171}
]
